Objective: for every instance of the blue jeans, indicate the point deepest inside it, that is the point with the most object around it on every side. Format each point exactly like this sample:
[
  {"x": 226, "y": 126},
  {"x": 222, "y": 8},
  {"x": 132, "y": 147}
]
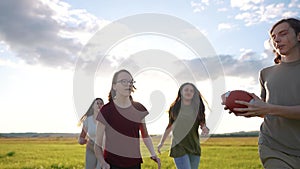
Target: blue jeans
[{"x": 187, "y": 161}]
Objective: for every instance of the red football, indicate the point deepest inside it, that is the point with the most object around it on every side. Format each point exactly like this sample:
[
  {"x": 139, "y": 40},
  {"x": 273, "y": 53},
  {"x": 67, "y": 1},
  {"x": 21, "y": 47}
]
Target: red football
[{"x": 231, "y": 96}]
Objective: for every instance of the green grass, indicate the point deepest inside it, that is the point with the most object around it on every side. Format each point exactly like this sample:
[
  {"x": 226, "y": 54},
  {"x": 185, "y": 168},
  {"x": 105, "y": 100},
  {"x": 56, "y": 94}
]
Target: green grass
[{"x": 66, "y": 153}]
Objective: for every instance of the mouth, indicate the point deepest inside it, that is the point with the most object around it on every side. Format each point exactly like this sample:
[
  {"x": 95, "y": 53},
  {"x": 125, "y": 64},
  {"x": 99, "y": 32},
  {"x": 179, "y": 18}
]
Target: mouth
[{"x": 279, "y": 47}]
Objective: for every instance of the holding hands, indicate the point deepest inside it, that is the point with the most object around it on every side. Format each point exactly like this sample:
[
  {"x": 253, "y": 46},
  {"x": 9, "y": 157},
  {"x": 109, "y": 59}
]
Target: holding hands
[{"x": 157, "y": 160}]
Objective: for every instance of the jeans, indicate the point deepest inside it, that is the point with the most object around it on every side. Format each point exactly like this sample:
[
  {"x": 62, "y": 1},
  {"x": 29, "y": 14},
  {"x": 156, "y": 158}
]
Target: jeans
[
  {"x": 91, "y": 161},
  {"x": 187, "y": 161}
]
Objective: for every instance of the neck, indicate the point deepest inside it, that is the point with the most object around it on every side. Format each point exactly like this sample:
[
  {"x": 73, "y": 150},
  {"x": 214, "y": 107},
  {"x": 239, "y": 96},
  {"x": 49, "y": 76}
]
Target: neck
[
  {"x": 122, "y": 101},
  {"x": 186, "y": 102},
  {"x": 95, "y": 113},
  {"x": 292, "y": 56}
]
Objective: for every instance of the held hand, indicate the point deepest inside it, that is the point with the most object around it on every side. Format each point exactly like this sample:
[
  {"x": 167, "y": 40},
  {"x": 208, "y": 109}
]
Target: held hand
[
  {"x": 157, "y": 160},
  {"x": 105, "y": 165},
  {"x": 159, "y": 147}
]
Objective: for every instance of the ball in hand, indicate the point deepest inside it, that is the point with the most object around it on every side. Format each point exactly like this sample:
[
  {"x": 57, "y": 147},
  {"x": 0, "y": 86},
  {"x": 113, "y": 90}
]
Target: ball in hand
[{"x": 232, "y": 96}]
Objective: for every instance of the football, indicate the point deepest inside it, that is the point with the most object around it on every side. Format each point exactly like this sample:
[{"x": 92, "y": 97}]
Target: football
[{"x": 232, "y": 96}]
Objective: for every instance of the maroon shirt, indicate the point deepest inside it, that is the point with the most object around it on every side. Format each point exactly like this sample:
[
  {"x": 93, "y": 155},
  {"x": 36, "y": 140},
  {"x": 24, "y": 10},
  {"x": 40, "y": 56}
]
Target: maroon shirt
[{"x": 122, "y": 143}]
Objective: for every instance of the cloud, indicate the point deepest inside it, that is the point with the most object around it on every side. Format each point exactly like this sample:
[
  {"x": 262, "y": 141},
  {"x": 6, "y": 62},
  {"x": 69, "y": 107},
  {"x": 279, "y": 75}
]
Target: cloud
[
  {"x": 246, "y": 66},
  {"x": 223, "y": 26},
  {"x": 245, "y": 5},
  {"x": 294, "y": 3},
  {"x": 45, "y": 32},
  {"x": 199, "y": 6},
  {"x": 256, "y": 11}
]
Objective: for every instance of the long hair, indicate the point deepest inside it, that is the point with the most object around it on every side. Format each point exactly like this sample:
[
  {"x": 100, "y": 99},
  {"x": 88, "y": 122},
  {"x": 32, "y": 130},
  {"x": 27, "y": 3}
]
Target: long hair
[
  {"x": 112, "y": 92},
  {"x": 294, "y": 24},
  {"x": 197, "y": 103},
  {"x": 89, "y": 112}
]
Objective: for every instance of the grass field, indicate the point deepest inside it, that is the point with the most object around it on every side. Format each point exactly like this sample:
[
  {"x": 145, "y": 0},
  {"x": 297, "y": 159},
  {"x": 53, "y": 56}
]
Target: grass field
[{"x": 66, "y": 153}]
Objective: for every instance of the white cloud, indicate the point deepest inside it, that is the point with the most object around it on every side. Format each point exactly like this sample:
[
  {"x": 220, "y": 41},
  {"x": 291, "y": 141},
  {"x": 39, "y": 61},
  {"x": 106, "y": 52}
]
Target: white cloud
[
  {"x": 256, "y": 11},
  {"x": 289, "y": 14},
  {"x": 199, "y": 6},
  {"x": 222, "y": 9},
  {"x": 245, "y": 4},
  {"x": 45, "y": 32},
  {"x": 223, "y": 26},
  {"x": 294, "y": 3}
]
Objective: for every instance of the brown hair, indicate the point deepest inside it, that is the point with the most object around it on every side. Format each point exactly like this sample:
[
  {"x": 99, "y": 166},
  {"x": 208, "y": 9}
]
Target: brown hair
[
  {"x": 197, "y": 103},
  {"x": 90, "y": 111},
  {"x": 294, "y": 23},
  {"x": 112, "y": 92}
]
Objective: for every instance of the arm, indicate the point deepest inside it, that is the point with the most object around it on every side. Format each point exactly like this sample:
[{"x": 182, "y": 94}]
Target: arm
[
  {"x": 100, "y": 128},
  {"x": 261, "y": 108},
  {"x": 148, "y": 142},
  {"x": 82, "y": 140},
  {"x": 164, "y": 137}
]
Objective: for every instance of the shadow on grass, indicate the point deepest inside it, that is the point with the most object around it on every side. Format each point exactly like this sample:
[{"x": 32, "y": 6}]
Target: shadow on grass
[{"x": 9, "y": 154}]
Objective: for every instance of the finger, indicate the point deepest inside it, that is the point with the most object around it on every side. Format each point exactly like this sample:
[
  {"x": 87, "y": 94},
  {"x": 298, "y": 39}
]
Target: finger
[
  {"x": 254, "y": 96},
  {"x": 246, "y": 114},
  {"x": 242, "y": 102},
  {"x": 241, "y": 110}
]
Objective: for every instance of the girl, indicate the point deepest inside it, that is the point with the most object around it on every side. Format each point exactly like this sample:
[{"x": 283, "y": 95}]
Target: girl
[
  {"x": 186, "y": 114},
  {"x": 121, "y": 120},
  {"x": 88, "y": 133}
]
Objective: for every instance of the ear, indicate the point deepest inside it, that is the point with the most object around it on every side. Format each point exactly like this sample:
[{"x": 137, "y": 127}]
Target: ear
[{"x": 298, "y": 37}]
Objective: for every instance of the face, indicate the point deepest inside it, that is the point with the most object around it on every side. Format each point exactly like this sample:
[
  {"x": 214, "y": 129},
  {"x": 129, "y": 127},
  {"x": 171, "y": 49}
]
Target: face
[
  {"x": 97, "y": 105},
  {"x": 284, "y": 38},
  {"x": 124, "y": 84},
  {"x": 187, "y": 92}
]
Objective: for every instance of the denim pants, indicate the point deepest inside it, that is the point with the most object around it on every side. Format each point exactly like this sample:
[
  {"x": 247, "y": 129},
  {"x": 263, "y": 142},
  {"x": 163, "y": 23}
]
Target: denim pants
[
  {"x": 91, "y": 161},
  {"x": 187, "y": 161}
]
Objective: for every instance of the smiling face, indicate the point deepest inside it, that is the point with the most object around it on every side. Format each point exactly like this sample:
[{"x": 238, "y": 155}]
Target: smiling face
[
  {"x": 284, "y": 39},
  {"x": 187, "y": 92},
  {"x": 123, "y": 84},
  {"x": 98, "y": 104}
]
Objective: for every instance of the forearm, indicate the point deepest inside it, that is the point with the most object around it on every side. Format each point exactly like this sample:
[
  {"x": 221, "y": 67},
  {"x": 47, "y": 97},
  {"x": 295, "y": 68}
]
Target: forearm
[
  {"x": 290, "y": 112},
  {"x": 149, "y": 145},
  {"x": 99, "y": 153},
  {"x": 165, "y": 135},
  {"x": 82, "y": 137},
  {"x": 99, "y": 142}
]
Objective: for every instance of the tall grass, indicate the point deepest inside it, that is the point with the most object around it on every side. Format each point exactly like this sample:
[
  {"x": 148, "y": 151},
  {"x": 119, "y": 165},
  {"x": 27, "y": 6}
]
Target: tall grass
[{"x": 66, "y": 153}]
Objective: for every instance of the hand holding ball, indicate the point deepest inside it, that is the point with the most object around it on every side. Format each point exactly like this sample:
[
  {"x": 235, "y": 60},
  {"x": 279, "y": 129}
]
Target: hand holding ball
[{"x": 230, "y": 97}]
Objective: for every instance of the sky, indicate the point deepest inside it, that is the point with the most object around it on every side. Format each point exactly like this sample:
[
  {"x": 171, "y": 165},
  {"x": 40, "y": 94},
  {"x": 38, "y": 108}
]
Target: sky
[{"x": 56, "y": 56}]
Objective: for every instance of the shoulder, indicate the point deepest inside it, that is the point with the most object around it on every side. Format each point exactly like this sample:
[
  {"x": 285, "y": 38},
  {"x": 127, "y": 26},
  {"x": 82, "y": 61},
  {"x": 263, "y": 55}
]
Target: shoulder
[
  {"x": 267, "y": 69},
  {"x": 107, "y": 108},
  {"x": 139, "y": 106}
]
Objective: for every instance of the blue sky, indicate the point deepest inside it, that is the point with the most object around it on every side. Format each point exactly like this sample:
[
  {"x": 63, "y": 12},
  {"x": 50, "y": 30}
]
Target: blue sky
[{"x": 41, "y": 42}]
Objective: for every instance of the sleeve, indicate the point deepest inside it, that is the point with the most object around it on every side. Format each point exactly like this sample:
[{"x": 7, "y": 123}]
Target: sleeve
[
  {"x": 171, "y": 120},
  {"x": 103, "y": 115},
  {"x": 141, "y": 108},
  {"x": 262, "y": 86}
]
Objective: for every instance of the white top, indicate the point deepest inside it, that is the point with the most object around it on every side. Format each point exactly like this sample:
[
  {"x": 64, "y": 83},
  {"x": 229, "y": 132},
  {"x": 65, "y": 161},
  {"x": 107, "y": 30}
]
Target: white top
[{"x": 90, "y": 127}]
